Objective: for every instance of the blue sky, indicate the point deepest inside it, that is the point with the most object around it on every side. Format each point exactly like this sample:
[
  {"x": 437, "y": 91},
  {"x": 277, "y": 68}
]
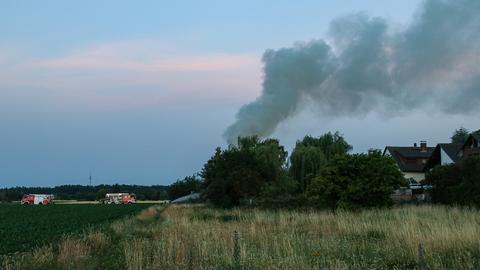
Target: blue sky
[
  {"x": 141, "y": 92},
  {"x": 52, "y": 27}
]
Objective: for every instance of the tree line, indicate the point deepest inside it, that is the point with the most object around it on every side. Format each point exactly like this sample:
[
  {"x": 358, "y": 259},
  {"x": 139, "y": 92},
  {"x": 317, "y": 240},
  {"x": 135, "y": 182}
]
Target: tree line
[
  {"x": 86, "y": 193},
  {"x": 320, "y": 173}
]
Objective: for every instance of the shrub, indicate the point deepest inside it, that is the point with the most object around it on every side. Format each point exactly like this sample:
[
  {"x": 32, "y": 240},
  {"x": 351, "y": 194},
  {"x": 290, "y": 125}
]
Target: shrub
[
  {"x": 184, "y": 187},
  {"x": 456, "y": 183},
  {"x": 356, "y": 181}
]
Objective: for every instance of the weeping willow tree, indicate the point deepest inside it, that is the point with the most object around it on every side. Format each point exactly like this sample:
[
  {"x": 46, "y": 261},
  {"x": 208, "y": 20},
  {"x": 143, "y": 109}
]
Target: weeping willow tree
[{"x": 311, "y": 154}]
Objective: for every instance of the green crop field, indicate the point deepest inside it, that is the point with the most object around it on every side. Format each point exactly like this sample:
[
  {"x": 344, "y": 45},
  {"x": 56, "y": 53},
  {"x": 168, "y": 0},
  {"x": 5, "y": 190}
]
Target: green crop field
[{"x": 24, "y": 227}]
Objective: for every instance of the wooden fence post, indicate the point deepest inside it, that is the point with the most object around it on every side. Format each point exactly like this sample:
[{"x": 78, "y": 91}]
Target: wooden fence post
[
  {"x": 236, "y": 250},
  {"x": 421, "y": 256}
]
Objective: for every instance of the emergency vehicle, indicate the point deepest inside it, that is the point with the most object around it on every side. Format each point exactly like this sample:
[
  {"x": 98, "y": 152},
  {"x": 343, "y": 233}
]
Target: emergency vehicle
[
  {"x": 119, "y": 198},
  {"x": 30, "y": 199}
]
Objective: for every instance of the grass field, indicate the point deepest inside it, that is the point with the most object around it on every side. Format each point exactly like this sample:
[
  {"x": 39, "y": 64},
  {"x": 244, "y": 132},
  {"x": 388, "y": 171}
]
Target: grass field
[
  {"x": 25, "y": 227},
  {"x": 199, "y": 237}
]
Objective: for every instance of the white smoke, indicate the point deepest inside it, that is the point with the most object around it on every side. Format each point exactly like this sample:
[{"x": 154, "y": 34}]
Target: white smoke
[{"x": 435, "y": 59}]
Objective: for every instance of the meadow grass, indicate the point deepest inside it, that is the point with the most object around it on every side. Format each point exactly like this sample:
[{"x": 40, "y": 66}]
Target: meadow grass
[{"x": 199, "y": 237}]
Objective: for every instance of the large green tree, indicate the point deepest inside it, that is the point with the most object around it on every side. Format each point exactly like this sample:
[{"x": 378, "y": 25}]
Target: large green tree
[
  {"x": 241, "y": 171},
  {"x": 356, "y": 181},
  {"x": 460, "y": 135},
  {"x": 311, "y": 154}
]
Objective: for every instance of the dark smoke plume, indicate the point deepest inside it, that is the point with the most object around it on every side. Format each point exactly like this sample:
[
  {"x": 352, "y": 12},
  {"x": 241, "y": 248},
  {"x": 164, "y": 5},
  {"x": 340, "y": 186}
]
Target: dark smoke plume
[{"x": 363, "y": 65}]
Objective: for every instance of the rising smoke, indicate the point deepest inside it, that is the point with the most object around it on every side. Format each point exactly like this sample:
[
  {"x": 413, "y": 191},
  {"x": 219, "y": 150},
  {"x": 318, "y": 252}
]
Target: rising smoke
[{"x": 364, "y": 65}]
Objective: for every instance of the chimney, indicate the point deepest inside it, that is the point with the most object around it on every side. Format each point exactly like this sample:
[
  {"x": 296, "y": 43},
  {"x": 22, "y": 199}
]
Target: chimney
[
  {"x": 415, "y": 145},
  {"x": 423, "y": 146}
]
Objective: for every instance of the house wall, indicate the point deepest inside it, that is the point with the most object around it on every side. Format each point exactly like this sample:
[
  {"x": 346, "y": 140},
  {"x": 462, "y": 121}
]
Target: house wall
[
  {"x": 444, "y": 158},
  {"x": 418, "y": 176}
]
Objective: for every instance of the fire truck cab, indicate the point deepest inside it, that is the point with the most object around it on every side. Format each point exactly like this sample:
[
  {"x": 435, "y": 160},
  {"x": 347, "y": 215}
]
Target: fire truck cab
[
  {"x": 119, "y": 198},
  {"x": 31, "y": 199}
]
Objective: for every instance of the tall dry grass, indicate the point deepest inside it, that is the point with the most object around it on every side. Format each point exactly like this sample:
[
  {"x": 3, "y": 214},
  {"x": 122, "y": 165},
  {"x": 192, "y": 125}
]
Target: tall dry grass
[
  {"x": 73, "y": 250},
  {"x": 197, "y": 237}
]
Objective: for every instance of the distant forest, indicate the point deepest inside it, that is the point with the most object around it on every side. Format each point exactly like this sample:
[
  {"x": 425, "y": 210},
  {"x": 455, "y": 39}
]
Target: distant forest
[{"x": 85, "y": 193}]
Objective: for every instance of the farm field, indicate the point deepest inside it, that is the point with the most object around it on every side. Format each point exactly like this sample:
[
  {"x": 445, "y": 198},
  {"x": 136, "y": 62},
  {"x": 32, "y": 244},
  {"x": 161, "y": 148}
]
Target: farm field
[
  {"x": 199, "y": 237},
  {"x": 23, "y": 228}
]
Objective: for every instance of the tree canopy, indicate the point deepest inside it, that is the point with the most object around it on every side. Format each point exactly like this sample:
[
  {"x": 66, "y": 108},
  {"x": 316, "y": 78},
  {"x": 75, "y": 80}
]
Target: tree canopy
[
  {"x": 356, "y": 181},
  {"x": 460, "y": 135},
  {"x": 184, "y": 187},
  {"x": 241, "y": 171},
  {"x": 310, "y": 154}
]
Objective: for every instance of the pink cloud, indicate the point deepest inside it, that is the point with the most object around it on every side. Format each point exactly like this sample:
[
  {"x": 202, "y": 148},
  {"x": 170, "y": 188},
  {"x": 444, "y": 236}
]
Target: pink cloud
[
  {"x": 130, "y": 57},
  {"x": 190, "y": 63},
  {"x": 131, "y": 75}
]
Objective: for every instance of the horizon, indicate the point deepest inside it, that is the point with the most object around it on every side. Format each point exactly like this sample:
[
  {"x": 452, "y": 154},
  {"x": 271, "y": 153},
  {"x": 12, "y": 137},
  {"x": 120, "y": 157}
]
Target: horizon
[
  {"x": 93, "y": 186},
  {"x": 143, "y": 94}
]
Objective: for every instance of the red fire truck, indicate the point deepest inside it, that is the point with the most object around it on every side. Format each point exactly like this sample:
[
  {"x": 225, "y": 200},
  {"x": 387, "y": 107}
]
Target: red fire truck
[
  {"x": 119, "y": 198},
  {"x": 30, "y": 199}
]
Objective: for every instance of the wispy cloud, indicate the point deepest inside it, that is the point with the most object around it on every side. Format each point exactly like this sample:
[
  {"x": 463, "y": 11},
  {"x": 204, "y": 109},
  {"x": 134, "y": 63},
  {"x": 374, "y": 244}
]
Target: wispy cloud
[
  {"x": 133, "y": 74},
  {"x": 118, "y": 56}
]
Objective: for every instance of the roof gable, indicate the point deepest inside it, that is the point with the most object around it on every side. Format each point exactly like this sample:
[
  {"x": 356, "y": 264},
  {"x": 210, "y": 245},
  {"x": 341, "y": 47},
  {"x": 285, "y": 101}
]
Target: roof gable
[
  {"x": 451, "y": 149},
  {"x": 410, "y": 159},
  {"x": 473, "y": 141}
]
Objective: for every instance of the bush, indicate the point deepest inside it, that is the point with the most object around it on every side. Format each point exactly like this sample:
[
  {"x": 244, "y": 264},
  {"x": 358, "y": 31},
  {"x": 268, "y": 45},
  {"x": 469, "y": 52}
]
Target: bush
[
  {"x": 356, "y": 181},
  {"x": 287, "y": 201},
  {"x": 184, "y": 187},
  {"x": 456, "y": 183}
]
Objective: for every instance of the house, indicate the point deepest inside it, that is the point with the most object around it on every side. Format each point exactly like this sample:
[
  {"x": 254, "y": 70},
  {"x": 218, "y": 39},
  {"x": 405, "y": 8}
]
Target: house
[
  {"x": 448, "y": 153},
  {"x": 471, "y": 146},
  {"x": 444, "y": 154},
  {"x": 414, "y": 161},
  {"x": 411, "y": 160}
]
